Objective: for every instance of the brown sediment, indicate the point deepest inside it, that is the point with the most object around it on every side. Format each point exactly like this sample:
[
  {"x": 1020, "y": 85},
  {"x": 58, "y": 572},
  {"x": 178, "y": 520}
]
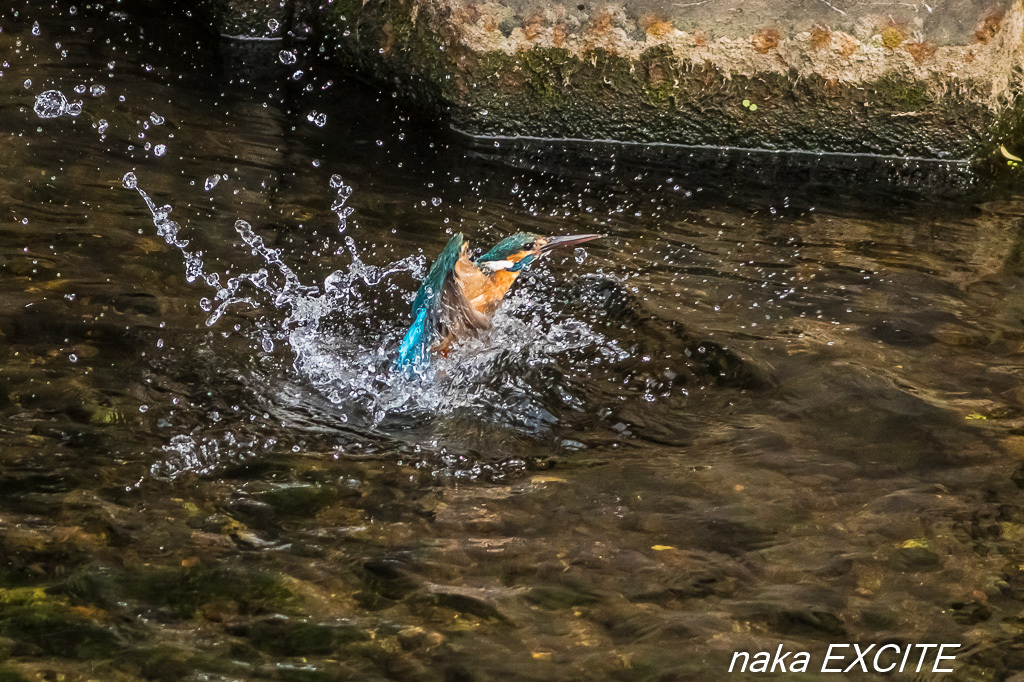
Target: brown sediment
[
  {"x": 389, "y": 39},
  {"x": 989, "y": 25},
  {"x": 921, "y": 51},
  {"x": 558, "y": 35},
  {"x": 533, "y": 27},
  {"x": 658, "y": 28},
  {"x": 766, "y": 41},
  {"x": 821, "y": 37},
  {"x": 602, "y": 24},
  {"x": 847, "y": 46}
]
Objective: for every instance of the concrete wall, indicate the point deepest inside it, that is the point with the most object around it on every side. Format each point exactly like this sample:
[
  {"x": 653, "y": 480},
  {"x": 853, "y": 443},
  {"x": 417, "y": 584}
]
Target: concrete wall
[{"x": 936, "y": 79}]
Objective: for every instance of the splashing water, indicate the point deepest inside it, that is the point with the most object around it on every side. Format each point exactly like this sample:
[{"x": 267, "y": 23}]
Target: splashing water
[
  {"x": 316, "y": 118},
  {"x": 53, "y": 104},
  {"x": 342, "y": 342}
]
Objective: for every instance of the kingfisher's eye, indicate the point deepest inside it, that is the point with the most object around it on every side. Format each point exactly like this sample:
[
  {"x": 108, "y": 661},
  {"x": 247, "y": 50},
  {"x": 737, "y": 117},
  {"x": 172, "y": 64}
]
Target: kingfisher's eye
[{"x": 528, "y": 246}]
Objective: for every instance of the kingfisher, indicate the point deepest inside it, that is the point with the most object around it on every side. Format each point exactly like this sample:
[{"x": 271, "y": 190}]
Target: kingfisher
[{"x": 460, "y": 294}]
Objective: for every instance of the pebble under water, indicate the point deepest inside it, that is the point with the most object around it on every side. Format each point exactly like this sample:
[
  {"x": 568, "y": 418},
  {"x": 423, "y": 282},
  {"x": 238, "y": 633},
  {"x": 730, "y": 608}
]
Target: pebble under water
[{"x": 757, "y": 412}]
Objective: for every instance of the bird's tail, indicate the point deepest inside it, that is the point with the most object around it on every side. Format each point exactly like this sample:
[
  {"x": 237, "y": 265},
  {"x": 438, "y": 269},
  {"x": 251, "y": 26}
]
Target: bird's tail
[{"x": 415, "y": 348}]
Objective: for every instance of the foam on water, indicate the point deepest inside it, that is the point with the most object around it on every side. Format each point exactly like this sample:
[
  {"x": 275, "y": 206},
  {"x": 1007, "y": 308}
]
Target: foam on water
[{"x": 342, "y": 345}]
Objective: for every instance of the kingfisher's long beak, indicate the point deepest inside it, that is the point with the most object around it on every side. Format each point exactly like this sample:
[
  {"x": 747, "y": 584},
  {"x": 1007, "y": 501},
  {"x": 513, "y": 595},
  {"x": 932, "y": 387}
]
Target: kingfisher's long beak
[{"x": 571, "y": 240}]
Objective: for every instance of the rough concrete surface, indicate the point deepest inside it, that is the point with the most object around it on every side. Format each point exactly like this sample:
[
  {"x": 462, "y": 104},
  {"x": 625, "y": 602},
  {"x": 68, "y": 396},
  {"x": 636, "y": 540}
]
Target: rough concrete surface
[{"x": 935, "y": 80}]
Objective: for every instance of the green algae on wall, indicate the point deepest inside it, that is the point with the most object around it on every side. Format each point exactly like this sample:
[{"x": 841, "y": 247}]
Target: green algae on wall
[{"x": 879, "y": 84}]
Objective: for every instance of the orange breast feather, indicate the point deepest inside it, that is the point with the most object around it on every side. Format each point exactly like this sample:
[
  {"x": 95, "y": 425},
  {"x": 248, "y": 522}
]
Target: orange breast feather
[{"x": 484, "y": 291}]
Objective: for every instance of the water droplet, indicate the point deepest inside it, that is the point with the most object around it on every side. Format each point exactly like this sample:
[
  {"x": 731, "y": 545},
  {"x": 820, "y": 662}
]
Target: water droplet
[
  {"x": 80, "y": 88},
  {"x": 211, "y": 182},
  {"x": 143, "y": 408},
  {"x": 35, "y": 29},
  {"x": 50, "y": 104},
  {"x": 286, "y": 57},
  {"x": 97, "y": 90},
  {"x": 580, "y": 254},
  {"x": 436, "y": 201},
  {"x": 273, "y": 25},
  {"x": 73, "y": 108},
  {"x": 129, "y": 180},
  {"x": 156, "y": 118},
  {"x": 297, "y": 75},
  {"x": 160, "y": 149},
  {"x": 28, "y": 83},
  {"x": 317, "y": 119},
  {"x": 336, "y": 181},
  {"x": 73, "y": 358},
  {"x": 102, "y": 125},
  {"x": 380, "y": 143}
]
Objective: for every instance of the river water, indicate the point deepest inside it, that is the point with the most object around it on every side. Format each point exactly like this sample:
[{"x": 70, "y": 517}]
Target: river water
[{"x": 762, "y": 410}]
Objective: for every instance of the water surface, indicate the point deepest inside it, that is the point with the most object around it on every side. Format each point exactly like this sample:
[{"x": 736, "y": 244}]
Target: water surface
[{"x": 763, "y": 409}]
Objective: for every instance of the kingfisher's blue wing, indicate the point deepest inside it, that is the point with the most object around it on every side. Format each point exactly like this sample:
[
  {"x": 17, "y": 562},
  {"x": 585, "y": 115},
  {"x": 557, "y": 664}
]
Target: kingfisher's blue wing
[{"x": 439, "y": 288}]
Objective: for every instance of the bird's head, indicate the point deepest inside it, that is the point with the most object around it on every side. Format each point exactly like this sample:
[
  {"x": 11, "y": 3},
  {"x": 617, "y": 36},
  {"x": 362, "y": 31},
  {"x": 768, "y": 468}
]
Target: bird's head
[{"x": 516, "y": 252}]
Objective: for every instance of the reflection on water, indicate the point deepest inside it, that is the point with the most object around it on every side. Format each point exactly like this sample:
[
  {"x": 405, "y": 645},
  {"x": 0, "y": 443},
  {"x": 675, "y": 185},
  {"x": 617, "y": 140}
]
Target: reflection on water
[{"x": 757, "y": 412}]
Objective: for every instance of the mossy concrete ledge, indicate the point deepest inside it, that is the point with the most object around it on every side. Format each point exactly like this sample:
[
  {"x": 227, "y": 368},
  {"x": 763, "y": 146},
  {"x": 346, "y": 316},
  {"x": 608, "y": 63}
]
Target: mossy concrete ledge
[{"x": 935, "y": 80}]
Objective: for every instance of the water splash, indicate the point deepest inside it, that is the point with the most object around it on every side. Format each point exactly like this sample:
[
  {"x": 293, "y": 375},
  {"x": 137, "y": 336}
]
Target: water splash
[
  {"x": 201, "y": 454},
  {"x": 317, "y": 118},
  {"x": 342, "y": 333},
  {"x": 53, "y": 104}
]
